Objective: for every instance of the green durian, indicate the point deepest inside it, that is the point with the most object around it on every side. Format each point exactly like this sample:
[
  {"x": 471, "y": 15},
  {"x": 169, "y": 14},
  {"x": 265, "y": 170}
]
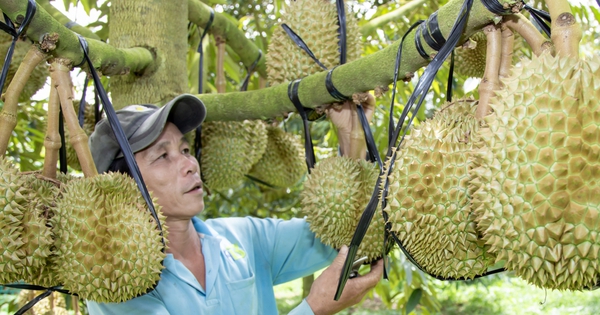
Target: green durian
[
  {"x": 471, "y": 56},
  {"x": 316, "y": 22},
  {"x": 282, "y": 163},
  {"x": 229, "y": 149},
  {"x": 428, "y": 201},
  {"x": 536, "y": 180},
  {"x": 108, "y": 245}
]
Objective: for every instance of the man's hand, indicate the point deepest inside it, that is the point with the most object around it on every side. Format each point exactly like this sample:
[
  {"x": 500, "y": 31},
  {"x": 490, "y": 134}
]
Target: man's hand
[
  {"x": 351, "y": 136},
  {"x": 320, "y": 299}
]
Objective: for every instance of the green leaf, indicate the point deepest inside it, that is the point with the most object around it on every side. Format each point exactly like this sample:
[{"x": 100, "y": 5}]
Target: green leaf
[{"x": 413, "y": 300}]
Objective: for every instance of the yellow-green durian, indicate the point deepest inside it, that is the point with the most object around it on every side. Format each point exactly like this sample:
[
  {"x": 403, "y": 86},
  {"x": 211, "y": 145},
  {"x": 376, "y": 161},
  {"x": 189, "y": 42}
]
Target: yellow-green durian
[
  {"x": 12, "y": 208},
  {"x": 108, "y": 244},
  {"x": 282, "y": 163},
  {"x": 37, "y": 78},
  {"x": 335, "y": 195},
  {"x": 316, "y": 22},
  {"x": 428, "y": 199},
  {"x": 471, "y": 57},
  {"x": 538, "y": 173},
  {"x": 229, "y": 149},
  {"x": 37, "y": 235}
]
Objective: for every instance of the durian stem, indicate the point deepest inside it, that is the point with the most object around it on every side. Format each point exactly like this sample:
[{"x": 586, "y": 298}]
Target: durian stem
[
  {"x": 566, "y": 32},
  {"x": 60, "y": 74},
  {"x": 52, "y": 141},
  {"x": 508, "y": 46},
  {"x": 521, "y": 25},
  {"x": 262, "y": 82},
  {"x": 220, "y": 79},
  {"x": 490, "y": 81},
  {"x": 51, "y": 302},
  {"x": 8, "y": 116},
  {"x": 75, "y": 304}
]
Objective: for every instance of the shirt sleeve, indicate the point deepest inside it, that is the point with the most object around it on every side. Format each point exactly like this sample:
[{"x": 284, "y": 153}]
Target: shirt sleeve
[
  {"x": 302, "y": 309},
  {"x": 146, "y": 304},
  {"x": 294, "y": 250}
]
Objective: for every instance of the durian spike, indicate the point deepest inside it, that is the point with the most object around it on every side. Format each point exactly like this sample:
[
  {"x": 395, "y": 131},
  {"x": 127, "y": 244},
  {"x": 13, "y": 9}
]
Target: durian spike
[
  {"x": 8, "y": 116},
  {"x": 566, "y": 32},
  {"x": 508, "y": 44},
  {"x": 52, "y": 141},
  {"x": 61, "y": 78},
  {"x": 490, "y": 81},
  {"x": 522, "y": 26},
  {"x": 220, "y": 79}
]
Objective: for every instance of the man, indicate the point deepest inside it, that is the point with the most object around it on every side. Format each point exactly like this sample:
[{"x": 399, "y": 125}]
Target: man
[{"x": 221, "y": 266}]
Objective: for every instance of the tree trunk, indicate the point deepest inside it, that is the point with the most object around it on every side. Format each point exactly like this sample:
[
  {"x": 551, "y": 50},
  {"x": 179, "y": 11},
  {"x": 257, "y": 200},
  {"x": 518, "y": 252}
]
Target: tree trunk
[{"x": 135, "y": 23}]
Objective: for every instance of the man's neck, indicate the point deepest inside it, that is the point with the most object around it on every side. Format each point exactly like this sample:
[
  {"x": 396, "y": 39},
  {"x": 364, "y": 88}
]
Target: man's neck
[{"x": 183, "y": 240}]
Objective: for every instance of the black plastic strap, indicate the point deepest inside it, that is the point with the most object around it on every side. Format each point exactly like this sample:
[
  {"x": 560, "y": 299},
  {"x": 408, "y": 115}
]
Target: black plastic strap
[
  {"x": 450, "y": 86},
  {"x": 341, "y": 30},
  {"x": 31, "y": 303},
  {"x": 331, "y": 88},
  {"x": 308, "y": 147},
  {"x": 373, "y": 153},
  {"x": 541, "y": 18},
  {"x": 417, "y": 96},
  {"x": 250, "y": 71},
  {"x": 15, "y": 33},
  {"x": 495, "y": 7},
  {"x": 111, "y": 116},
  {"x": 201, "y": 51},
  {"x": 300, "y": 43},
  {"x": 392, "y": 125},
  {"x": 418, "y": 43},
  {"x": 23, "y": 286},
  {"x": 81, "y": 113},
  {"x": 433, "y": 37},
  {"x": 62, "y": 152}
]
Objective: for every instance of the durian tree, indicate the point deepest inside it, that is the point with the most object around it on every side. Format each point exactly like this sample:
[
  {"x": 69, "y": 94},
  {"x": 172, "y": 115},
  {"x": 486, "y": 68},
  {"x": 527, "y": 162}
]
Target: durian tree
[{"x": 147, "y": 53}]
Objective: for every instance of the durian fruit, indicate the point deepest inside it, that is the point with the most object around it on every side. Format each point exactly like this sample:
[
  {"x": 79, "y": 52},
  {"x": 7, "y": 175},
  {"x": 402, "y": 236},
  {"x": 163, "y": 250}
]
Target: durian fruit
[
  {"x": 471, "y": 56},
  {"x": 229, "y": 149},
  {"x": 37, "y": 235},
  {"x": 89, "y": 123},
  {"x": 537, "y": 187},
  {"x": 108, "y": 244},
  {"x": 316, "y": 22},
  {"x": 334, "y": 197},
  {"x": 282, "y": 163},
  {"x": 428, "y": 199},
  {"x": 38, "y": 76},
  {"x": 54, "y": 304},
  {"x": 12, "y": 208}
]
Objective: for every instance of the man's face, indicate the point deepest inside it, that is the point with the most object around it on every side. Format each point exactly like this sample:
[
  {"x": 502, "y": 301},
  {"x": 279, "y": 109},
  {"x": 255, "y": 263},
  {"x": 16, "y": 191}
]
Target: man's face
[{"x": 172, "y": 174}]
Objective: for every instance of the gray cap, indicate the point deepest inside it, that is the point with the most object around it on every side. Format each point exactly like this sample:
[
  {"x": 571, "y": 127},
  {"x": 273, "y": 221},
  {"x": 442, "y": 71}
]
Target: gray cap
[{"x": 142, "y": 125}]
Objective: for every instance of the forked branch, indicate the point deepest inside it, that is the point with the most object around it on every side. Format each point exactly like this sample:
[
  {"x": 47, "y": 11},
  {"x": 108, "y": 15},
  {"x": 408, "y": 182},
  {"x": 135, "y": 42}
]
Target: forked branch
[{"x": 490, "y": 81}]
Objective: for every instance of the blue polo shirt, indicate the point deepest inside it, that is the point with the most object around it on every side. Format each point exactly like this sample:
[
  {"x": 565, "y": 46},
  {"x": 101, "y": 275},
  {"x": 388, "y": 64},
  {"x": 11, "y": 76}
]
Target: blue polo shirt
[{"x": 244, "y": 259}]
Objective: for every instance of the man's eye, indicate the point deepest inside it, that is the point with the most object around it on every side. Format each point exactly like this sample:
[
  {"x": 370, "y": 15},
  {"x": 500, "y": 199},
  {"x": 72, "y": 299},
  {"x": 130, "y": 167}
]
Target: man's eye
[
  {"x": 186, "y": 151},
  {"x": 162, "y": 156}
]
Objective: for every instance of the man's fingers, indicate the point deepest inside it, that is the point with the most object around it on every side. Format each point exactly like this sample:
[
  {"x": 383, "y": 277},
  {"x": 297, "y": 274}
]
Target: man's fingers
[
  {"x": 370, "y": 279},
  {"x": 339, "y": 260}
]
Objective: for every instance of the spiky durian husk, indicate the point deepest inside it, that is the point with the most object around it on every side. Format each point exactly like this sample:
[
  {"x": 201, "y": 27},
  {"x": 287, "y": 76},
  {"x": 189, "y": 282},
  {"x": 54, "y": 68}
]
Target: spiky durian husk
[
  {"x": 471, "y": 56},
  {"x": 316, "y": 22},
  {"x": 37, "y": 234},
  {"x": 428, "y": 199},
  {"x": 282, "y": 164},
  {"x": 107, "y": 241},
  {"x": 537, "y": 188},
  {"x": 54, "y": 304},
  {"x": 38, "y": 76},
  {"x": 12, "y": 203},
  {"x": 89, "y": 123},
  {"x": 334, "y": 196},
  {"x": 229, "y": 149}
]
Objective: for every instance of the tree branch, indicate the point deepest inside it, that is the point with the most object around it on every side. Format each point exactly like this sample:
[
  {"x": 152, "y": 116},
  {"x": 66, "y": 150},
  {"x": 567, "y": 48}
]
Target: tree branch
[
  {"x": 64, "y": 20},
  {"x": 199, "y": 14},
  {"x": 361, "y": 75},
  {"x": 377, "y": 22},
  {"x": 106, "y": 58}
]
